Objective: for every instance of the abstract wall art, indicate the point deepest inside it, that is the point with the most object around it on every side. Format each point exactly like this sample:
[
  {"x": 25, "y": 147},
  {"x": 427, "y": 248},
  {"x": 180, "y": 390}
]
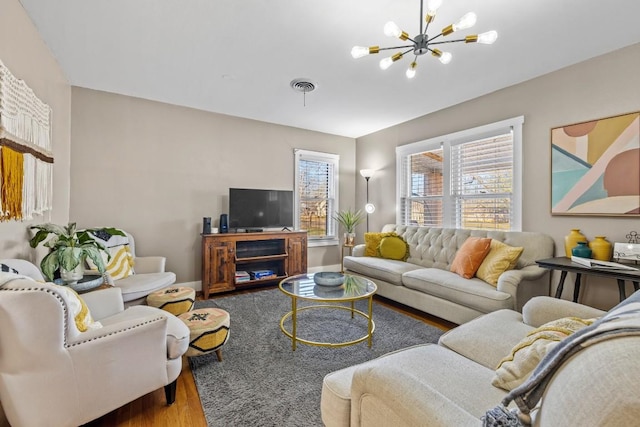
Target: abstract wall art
[{"x": 595, "y": 167}]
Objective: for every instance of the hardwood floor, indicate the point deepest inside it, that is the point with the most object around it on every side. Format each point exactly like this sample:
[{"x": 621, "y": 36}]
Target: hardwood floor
[{"x": 151, "y": 411}]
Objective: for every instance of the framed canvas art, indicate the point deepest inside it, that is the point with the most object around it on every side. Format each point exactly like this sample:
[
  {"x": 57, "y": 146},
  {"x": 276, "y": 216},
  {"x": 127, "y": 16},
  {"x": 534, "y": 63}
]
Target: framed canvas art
[{"x": 595, "y": 167}]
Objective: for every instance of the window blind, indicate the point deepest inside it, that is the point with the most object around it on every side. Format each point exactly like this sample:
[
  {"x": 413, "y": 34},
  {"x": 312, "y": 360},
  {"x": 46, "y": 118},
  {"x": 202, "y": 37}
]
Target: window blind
[{"x": 481, "y": 183}]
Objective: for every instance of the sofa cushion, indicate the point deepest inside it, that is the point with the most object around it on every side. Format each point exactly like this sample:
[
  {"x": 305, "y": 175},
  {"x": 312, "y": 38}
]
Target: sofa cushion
[
  {"x": 473, "y": 293},
  {"x": 388, "y": 270},
  {"x": 470, "y": 256},
  {"x": 501, "y": 257},
  {"x": 516, "y": 367},
  {"x": 393, "y": 247},
  {"x": 140, "y": 285},
  {"x": 502, "y": 328}
]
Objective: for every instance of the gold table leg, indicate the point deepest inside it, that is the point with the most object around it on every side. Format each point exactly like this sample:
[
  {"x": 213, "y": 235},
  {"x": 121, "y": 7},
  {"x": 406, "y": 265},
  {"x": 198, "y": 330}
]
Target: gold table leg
[
  {"x": 370, "y": 340},
  {"x": 294, "y": 321}
]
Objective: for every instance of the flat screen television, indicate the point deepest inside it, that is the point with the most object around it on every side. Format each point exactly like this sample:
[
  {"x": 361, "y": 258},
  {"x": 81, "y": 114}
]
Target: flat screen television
[{"x": 257, "y": 209}]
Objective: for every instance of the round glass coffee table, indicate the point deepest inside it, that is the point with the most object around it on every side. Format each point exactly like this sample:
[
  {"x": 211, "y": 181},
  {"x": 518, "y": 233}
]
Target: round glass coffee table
[{"x": 354, "y": 288}]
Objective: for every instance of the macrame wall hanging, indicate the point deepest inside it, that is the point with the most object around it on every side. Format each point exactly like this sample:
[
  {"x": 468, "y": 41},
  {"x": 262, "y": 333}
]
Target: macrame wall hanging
[{"x": 26, "y": 159}]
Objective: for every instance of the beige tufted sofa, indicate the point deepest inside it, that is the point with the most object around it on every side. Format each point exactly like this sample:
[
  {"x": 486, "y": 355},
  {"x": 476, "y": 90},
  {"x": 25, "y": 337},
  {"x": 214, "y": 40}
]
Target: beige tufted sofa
[{"x": 424, "y": 281}]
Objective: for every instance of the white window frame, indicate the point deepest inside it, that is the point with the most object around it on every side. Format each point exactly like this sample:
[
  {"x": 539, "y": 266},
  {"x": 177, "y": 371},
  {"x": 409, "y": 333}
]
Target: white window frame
[
  {"x": 513, "y": 125},
  {"x": 332, "y": 230}
]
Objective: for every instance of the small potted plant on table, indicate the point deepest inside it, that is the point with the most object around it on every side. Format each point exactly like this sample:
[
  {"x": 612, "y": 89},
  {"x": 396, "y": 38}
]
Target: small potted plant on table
[
  {"x": 68, "y": 250},
  {"x": 349, "y": 220}
]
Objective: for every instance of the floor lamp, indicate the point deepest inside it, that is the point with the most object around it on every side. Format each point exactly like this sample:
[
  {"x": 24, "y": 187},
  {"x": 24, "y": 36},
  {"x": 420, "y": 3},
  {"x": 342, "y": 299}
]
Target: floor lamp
[{"x": 369, "y": 207}]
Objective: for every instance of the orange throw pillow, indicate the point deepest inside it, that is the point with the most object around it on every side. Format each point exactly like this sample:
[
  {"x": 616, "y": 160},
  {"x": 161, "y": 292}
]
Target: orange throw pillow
[{"x": 470, "y": 256}]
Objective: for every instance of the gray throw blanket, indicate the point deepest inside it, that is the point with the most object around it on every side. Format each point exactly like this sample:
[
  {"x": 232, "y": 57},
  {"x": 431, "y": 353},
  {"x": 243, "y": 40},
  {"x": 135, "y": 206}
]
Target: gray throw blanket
[{"x": 622, "y": 320}]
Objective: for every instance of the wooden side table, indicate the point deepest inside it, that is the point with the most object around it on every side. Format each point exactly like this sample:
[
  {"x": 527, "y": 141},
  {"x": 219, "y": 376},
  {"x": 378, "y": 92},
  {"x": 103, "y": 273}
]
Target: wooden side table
[{"x": 349, "y": 252}]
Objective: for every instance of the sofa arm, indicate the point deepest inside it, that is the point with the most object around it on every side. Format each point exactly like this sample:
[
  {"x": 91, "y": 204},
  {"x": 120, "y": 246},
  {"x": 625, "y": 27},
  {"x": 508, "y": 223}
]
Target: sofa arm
[
  {"x": 149, "y": 264},
  {"x": 509, "y": 280},
  {"x": 104, "y": 303},
  {"x": 358, "y": 250},
  {"x": 540, "y": 310},
  {"x": 385, "y": 396}
]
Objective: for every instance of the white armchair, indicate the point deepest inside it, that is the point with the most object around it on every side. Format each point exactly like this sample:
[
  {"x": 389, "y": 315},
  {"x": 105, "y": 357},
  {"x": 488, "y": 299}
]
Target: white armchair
[
  {"x": 149, "y": 276},
  {"x": 53, "y": 374}
]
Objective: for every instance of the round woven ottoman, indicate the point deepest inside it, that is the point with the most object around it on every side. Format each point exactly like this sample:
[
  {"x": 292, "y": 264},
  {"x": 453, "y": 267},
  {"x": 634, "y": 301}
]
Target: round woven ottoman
[
  {"x": 176, "y": 299},
  {"x": 209, "y": 330}
]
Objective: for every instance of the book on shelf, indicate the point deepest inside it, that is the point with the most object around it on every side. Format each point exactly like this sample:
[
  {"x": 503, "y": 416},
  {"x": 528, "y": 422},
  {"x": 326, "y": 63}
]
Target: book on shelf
[{"x": 604, "y": 265}]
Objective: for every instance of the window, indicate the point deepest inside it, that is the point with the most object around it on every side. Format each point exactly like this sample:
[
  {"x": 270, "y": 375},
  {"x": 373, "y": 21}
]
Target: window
[
  {"x": 468, "y": 179},
  {"x": 316, "y": 196}
]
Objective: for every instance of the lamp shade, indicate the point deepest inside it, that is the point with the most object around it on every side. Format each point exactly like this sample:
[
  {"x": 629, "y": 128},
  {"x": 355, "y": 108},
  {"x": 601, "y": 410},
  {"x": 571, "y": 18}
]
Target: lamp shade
[{"x": 367, "y": 173}]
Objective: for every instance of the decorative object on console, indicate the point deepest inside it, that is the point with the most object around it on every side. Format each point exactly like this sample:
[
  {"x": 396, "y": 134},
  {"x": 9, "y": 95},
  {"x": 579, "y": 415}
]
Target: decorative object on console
[
  {"x": 422, "y": 43},
  {"x": 595, "y": 167},
  {"x": 572, "y": 239},
  {"x": 368, "y": 207},
  {"x": 349, "y": 220},
  {"x": 69, "y": 248},
  {"x": 626, "y": 252},
  {"x": 601, "y": 248},
  {"x": 582, "y": 250},
  {"x": 206, "y": 225}
]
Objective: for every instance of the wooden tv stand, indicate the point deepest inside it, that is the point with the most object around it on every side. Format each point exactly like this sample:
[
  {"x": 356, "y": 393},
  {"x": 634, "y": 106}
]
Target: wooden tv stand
[{"x": 285, "y": 253}]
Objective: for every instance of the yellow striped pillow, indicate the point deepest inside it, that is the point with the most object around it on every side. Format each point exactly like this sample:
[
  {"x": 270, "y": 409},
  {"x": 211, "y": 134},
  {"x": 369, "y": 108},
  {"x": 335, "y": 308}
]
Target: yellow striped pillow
[
  {"x": 501, "y": 257},
  {"x": 120, "y": 265}
]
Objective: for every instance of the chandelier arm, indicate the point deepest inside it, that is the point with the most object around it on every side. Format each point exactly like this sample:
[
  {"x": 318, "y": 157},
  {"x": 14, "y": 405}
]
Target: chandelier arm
[
  {"x": 398, "y": 47},
  {"x": 434, "y": 37},
  {"x": 448, "y": 41}
]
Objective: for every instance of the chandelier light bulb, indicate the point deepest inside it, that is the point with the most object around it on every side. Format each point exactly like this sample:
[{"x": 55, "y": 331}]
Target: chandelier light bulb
[
  {"x": 411, "y": 71},
  {"x": 445, "y": 58},
  {"x": 467, "y": 21},
  {"x": 488, "y": 38},
  {"x": 433, "y": 6},
  {"x": 386, "y": 63},
  {"x": 391, "y": 29},
  {"x": 359, "y": 51}
]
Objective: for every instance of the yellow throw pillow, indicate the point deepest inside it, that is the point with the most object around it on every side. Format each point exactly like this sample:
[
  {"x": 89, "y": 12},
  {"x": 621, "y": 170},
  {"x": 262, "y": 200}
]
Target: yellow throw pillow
[
  {"x": 394, "y": 247},
  {"x": 501, "y": 257},
  {"x": 120, "y": 265},
  {"x": 371, "y": 243},
  {"x": 514, "y": 369},
  {"x": 470, "y": 256},
  {"x": 79, "y": 309}
]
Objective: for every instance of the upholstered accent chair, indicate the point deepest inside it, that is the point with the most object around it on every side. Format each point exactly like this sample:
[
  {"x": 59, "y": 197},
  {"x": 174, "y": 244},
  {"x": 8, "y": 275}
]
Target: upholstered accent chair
[
  {"x": 146, "y": 276},
  {"x": 53, "y": 373}
]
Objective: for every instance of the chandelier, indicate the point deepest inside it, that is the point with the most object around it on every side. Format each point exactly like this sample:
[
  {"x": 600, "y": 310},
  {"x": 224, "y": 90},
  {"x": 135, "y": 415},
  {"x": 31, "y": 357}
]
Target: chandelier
[{"x": 422, "y": 43}]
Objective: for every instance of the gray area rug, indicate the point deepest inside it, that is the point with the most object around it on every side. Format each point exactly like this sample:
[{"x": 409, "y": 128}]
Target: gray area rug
[{"x": 262, "y": 382}]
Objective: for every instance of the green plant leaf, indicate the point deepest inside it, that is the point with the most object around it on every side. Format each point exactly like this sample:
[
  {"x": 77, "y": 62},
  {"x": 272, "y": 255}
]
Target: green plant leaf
[
  {"x": 49, "y": 265},
  {"x": 95, "y": 256},
  {"x": 70, "y": 258}
]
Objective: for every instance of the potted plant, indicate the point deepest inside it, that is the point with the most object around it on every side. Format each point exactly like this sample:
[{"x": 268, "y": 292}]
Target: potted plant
[
  {"x": 349, "y": 220},
  {"x": 68, "y": 250}
]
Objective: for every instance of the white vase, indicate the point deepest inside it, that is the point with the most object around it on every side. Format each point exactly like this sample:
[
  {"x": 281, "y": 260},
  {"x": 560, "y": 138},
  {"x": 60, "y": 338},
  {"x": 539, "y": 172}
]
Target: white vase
[{"x": 72, "y": 277}]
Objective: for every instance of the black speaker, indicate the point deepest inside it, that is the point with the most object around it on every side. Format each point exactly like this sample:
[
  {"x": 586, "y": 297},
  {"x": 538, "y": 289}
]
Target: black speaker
[
  {"x": 224, "y": 223},
  {"x": 206, "y": 225}
]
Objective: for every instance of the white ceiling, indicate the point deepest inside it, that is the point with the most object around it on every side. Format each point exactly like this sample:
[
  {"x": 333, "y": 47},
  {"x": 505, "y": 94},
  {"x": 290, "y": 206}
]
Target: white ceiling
[{"x": 238, "y": 57}]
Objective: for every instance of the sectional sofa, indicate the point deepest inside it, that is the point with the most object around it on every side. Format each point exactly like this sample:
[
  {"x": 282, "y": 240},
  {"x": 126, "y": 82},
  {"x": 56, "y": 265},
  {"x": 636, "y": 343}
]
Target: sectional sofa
[
  {"x": 452, "y": 384},
  {"x": 424, "y": 281}
]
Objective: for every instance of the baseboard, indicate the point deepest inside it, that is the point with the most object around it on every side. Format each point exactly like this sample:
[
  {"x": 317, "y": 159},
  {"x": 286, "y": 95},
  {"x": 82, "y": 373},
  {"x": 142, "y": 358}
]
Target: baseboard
[{"x": 197, "y": 285}]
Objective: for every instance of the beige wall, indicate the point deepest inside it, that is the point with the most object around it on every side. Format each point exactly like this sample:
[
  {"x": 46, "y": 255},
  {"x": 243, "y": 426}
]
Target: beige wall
[
  {"x": 25, "y": 54},
  {"x": 601, "y": 87},
  {"x": 156, "y": 170}
]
